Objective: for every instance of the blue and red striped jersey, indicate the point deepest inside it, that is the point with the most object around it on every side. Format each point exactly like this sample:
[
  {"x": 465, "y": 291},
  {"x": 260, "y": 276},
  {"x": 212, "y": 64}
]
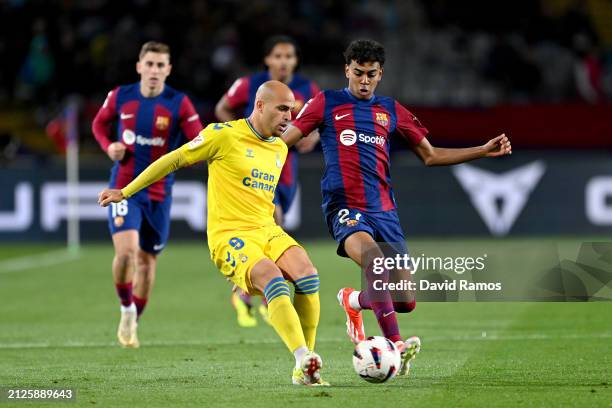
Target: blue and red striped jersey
[
  {"x": 149, "y": 128},
  {"x": 241, "y": 95},
  {"x": 355, "y": 141}
]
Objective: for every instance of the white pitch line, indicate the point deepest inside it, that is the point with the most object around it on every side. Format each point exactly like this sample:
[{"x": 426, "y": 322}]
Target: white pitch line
[
  {"x": 37, "y": 261},
  {"x": 426, "y": 339},
  {"x": 535, "y": 336},
  {"x": 153, "y": 343}
]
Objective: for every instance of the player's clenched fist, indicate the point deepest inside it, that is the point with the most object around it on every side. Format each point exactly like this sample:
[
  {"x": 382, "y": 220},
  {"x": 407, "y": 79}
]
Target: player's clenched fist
[
  {"x": 110, "y": 195},
  {"x": 116, "y": 151},
  {"x": 498, "y": 146}
]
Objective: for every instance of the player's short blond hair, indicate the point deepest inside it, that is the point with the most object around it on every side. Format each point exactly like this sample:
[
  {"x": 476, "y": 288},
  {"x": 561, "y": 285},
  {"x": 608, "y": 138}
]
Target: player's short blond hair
[{"x": 154, "y": 46}]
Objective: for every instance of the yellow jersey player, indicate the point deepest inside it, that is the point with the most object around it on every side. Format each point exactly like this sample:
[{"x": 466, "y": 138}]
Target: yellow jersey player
[{"x": 245, "y": 158}]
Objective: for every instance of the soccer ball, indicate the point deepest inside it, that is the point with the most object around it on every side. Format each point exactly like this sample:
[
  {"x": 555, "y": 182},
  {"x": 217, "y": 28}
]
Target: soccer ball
[{"x": 376, "y": 359}]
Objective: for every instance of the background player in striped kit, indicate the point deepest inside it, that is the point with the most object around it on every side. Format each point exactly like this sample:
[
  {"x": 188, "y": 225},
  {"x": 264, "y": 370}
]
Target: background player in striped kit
[
  {"x": 358, "y": 201},
  {"x": 281, "y": 61},
  {"x": 152, "y": 120}
]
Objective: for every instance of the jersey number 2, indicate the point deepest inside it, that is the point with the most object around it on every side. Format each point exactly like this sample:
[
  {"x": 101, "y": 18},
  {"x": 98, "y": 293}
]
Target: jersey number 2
[{"x": 343, "y": 216}]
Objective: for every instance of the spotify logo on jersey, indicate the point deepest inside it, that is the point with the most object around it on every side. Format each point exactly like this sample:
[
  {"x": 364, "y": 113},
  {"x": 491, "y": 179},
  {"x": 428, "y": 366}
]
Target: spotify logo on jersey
[{"x": 348, "y": 137}]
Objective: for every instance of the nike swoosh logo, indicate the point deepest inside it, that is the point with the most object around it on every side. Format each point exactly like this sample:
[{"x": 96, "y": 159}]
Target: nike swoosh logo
[
  {"x": 387, "y": 314},
  {"x": 126, "y": 116},
  {"x": 338, "y": 117},
  {"x": 192, "y": 118},
  {"x": 158, "y": 247}
]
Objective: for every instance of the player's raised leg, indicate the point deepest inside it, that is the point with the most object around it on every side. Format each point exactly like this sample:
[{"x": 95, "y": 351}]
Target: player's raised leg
[
  {"x": 144, "y": 279},
  {"x": 349, "y": 300},
  {"x": 380, "y": 302},
  {"x": 402, "y": 302},
  {"x": 124, "y": 266}
]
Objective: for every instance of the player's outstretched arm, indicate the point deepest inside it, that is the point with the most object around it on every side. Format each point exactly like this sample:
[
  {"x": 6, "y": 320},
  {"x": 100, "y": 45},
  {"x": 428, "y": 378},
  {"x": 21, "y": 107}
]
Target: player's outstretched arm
[
  {"x": 437, "y": 156},
  {"x": 291, "y": 135},
  {"x": 157, "y": 170}
]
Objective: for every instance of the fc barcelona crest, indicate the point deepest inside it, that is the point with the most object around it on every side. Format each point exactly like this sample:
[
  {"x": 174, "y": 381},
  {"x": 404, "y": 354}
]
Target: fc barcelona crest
[
  {"x": 118, "y": 221},
  {"x": 162, "y": 122},
  {"x": 382, "y": 119}
]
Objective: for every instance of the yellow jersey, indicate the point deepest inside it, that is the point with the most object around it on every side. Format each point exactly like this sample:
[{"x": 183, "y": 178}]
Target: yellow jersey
[{"x": 243, "y": 170}]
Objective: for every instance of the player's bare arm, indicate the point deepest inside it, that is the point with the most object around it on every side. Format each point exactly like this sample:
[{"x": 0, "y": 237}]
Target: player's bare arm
[
  {"x": 308, "y": 143},
  {"x": 291, "y": 135},
  {"x": 223, "y": 111},
  {"x": 438, "y": 156}
]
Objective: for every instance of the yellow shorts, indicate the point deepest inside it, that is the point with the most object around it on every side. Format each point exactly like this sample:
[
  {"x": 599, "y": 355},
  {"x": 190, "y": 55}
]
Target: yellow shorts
[{"x": 235, "y": 253}]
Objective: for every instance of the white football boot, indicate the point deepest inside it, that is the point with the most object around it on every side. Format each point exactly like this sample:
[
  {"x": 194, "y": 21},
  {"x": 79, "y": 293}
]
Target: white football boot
[
  {"x": 408, "y": 349},
  {"x": 126, "y": 333},
  {"x": 309, "y": 371}
]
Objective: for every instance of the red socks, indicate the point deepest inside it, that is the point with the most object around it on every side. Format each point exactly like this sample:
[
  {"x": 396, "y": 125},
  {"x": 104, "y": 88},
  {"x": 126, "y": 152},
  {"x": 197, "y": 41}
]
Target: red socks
[
  {"x": 124, "y": 291},
  {"x": 140, "y": 304}
]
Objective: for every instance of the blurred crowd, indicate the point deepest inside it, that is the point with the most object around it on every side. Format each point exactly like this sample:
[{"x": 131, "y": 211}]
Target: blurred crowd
[
  {"x": 484, "y": 53},
  {"x": 55, "y": 48},
  {"x": 440, "y": 52}
]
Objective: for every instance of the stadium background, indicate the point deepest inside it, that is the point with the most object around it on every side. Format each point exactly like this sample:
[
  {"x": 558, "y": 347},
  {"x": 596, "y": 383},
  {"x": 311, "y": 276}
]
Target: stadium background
[{"x": 540, "y": 71}]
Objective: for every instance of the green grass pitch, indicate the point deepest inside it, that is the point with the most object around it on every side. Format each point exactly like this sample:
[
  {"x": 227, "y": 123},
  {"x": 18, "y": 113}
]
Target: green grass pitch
[{"x": 58, "y": 323}]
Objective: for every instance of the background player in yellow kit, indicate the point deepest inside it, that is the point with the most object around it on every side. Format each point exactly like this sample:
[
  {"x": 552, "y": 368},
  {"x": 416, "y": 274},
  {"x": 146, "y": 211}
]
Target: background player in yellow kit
[{"x": 245, "y": 158}]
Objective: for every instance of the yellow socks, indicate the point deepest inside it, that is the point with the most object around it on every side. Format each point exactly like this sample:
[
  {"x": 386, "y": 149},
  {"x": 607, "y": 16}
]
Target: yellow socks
[
  {"x": 283, "y": 316},
  {"x": 308, "y": 307}
]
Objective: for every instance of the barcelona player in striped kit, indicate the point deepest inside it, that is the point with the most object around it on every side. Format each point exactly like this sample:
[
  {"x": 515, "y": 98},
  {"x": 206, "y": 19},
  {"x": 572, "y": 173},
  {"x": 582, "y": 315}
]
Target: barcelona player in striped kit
[
  {"x": 358, "y": 201},
  {"x": 281, "y": 60},
  {"x": 152, "y": 120}
]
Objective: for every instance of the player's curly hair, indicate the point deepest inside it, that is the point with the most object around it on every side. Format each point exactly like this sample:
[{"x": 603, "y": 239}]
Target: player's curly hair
[{"x": 362, "y": 51}]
